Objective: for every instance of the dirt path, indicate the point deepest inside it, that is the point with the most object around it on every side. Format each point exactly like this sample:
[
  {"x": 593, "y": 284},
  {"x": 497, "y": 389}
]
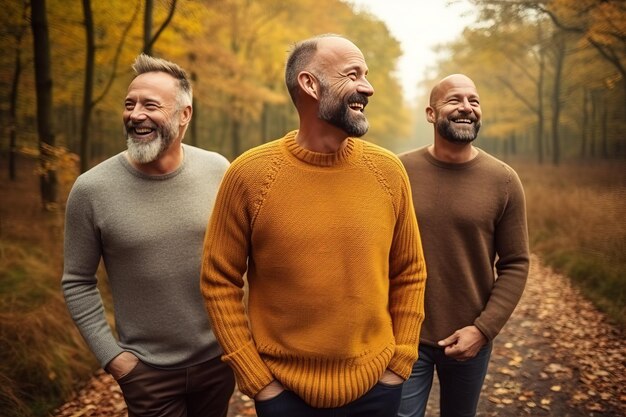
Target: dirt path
[{"x": 557, "y": 356}]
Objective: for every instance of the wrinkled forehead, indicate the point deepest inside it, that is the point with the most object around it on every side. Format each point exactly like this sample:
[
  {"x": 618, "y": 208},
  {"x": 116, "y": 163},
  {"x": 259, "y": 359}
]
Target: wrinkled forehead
[
  {"x": 455, "y": 86},
  {"x": 338, "y": 53}
]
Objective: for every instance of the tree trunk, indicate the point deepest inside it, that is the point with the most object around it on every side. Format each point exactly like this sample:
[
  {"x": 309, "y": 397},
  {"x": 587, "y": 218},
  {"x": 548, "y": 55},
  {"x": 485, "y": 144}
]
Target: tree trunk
[
  {"x": 14, "y": 93},
  {"x": 594, "y": 117},
  {"x": 85, "y": 148},
  {"x": 13, "y": 112},
  {"x": 43, "y": 80},
  {"x": 585, "y": 124},
  {"x": 540, "y": 115},
  {"x": 556, "y": 96},
  {"x": 147, "y": 27},
  {"x": 605, "y": 121}
]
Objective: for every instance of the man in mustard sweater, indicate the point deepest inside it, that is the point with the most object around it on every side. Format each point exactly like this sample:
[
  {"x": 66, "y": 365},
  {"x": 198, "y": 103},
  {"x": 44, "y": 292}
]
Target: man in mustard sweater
[
  {"x": 323, "y": 224},
  {"x": 472, "y": 216}
]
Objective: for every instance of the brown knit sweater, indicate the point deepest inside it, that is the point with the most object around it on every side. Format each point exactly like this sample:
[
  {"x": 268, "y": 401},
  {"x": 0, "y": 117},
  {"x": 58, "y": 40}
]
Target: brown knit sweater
[
  {"x": 334, "y": 265},
  {"x": 472, "y": 216}
]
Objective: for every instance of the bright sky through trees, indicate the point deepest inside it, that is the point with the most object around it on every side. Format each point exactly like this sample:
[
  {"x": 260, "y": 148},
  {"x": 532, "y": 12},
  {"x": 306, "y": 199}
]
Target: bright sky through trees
[{"x": 419, "y": 26}]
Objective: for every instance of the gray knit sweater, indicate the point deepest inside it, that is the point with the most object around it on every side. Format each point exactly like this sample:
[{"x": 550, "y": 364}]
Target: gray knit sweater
[{"x": 148, "y": 230}]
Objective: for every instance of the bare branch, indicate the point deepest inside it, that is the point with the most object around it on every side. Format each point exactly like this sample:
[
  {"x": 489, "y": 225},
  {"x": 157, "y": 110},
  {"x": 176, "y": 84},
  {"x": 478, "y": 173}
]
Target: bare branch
[
  {"x": 170, "y": 15},
  {"x": 116, "y": 59}
]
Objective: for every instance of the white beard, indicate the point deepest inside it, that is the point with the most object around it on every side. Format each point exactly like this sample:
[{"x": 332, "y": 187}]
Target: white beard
[{"x": 145, "y": 152}]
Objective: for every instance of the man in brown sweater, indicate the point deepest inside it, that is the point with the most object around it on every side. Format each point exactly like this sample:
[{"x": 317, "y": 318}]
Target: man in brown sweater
[{"x": 472, "y": 216}]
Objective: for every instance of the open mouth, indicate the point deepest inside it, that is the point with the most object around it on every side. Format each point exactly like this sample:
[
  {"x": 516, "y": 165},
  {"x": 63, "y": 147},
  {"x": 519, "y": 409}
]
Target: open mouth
[
  {"x": 357, "y": 107},
  {"x": 463, "y": 121},
  {"x": 143, "y": 131},
  {"x": 140, "y": 132}
]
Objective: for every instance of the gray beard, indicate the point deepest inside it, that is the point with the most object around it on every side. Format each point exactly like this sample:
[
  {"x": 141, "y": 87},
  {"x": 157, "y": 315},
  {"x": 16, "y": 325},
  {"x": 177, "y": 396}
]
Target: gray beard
[
  {"x": 338, "y": 114},
  {"x": 448, "y": 132},
  {"x": 341, "y": 118},
  {"x": 146, "y": 152}
]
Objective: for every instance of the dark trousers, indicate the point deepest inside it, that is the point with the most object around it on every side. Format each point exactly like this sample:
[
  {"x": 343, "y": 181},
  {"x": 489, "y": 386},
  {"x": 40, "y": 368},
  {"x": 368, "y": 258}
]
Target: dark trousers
[
  {"x": 202, "y": 390},
  {"x": 381, "y": 401},
  {"x": 460, "y": 383}
]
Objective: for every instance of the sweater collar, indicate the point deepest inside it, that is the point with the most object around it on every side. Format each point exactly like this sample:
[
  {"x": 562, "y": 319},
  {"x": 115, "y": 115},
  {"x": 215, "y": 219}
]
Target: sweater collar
[
  {"x": 342, "y": 156},
  {"x": 449, "y": 165}
]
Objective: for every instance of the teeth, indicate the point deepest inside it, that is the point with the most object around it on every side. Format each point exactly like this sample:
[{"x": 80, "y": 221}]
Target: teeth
[
  {"x": 463, "y": 121},
  {"x": 357, "y": 106},
  {"x": 143, "y": 130}
]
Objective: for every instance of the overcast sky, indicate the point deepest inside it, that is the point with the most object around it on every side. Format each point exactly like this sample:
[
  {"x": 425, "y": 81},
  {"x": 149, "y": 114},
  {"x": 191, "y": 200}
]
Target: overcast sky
[{"x": 418, "y": 25}]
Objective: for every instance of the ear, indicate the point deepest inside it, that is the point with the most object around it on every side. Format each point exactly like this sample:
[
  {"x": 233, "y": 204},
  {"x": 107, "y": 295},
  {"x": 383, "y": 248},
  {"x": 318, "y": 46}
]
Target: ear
[
  {"x": 308, "y": 84},
  {"x": 430, "y": 114},
  {"x": 185, "y": 115}
]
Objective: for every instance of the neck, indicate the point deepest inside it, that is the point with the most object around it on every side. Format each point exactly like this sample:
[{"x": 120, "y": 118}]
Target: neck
[
  {"x": 454, "y": 153},
  {"x": 170, "y": 161},
  {"x": 318, "y": 135}
]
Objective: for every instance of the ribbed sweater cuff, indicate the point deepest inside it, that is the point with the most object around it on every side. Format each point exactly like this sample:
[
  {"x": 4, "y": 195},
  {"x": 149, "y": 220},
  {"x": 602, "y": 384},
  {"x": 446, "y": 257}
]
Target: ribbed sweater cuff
[
  {"x": 250, "y": 370},
  {"x": 403, "y": 359}
]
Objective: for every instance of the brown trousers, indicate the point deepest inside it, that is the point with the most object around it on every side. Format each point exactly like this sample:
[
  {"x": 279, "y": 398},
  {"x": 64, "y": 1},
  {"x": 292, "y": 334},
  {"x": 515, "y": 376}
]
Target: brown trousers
[{"x": 202, "y": 390}]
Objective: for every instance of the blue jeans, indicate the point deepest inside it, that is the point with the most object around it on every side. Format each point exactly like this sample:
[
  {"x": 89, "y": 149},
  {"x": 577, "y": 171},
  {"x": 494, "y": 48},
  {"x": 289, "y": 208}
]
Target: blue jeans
[
  {"x": 381, "y": 401},
  {"x": 460, "y": 383}
]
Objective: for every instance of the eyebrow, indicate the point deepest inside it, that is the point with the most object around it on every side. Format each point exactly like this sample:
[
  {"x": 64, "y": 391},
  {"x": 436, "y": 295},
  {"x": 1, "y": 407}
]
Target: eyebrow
[
  {"x": 460, "y": 95},
  {"x": 356, "y": 67}
]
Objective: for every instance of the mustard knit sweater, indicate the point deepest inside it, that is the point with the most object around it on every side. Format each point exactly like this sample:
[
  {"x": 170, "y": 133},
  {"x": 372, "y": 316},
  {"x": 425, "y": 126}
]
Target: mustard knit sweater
[{"x": 334, "y": 266}]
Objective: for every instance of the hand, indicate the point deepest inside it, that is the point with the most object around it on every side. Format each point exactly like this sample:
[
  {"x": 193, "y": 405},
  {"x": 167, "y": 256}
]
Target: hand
[
  {"x": 270, "y": 391},
  {"x": 463, "y": 344},
  {"x": 121, "y": 365},
  {"x": 391, "y": 378}
]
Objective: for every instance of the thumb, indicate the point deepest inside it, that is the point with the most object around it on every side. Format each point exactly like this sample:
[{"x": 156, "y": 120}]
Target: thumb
[{"x": 449, "y": 340}]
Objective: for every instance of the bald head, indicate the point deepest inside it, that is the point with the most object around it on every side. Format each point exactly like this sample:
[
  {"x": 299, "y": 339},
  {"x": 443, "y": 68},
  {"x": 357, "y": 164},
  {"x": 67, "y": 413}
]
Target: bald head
[
  {"x": 447, "y": 83},
  {"x": 454, "y": 110}
]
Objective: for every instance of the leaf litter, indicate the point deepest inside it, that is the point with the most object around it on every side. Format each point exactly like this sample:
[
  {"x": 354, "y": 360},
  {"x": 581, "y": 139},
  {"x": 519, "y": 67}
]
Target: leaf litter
[{"x": 557, "y": 356}]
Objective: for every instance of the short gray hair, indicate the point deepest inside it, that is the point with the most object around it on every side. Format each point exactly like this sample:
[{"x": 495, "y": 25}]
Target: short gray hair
[{"x": 146, "y": 63}]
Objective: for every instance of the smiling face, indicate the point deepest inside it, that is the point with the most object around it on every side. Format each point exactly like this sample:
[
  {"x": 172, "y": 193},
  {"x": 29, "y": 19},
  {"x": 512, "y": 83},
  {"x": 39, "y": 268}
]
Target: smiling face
[
  {"x": 151, "y": 116},
  {"x": 455, "y": 109},
  {"x": 344, "y": 88},
  {"x": 344, "y": 112}
]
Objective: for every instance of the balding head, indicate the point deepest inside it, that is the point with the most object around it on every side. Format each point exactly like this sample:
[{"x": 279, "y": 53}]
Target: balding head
[
  {"x": 447, "y": 83},
  {"x": 299, "y": 59},
  {"x": 316, "y": 54}
]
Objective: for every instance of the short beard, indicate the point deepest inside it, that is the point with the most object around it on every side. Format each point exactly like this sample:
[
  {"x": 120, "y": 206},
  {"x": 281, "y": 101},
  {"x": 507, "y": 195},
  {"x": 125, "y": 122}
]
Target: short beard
[
  {"x": 146, "y": 152},
  {"x": 447, "y": 131},
  {"x": 338, "y": 113}
]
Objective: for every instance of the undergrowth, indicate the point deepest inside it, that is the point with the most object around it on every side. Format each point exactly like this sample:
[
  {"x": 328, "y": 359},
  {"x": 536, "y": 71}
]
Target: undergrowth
[{"x": 577, "y": 225}]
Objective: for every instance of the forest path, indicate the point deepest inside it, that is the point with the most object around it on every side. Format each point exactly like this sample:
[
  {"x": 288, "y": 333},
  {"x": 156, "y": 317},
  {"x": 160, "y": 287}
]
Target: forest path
[{"x": 557, "y": 356}]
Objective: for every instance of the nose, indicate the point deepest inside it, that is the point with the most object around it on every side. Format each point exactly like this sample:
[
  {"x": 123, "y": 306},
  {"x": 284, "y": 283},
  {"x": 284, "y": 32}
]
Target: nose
[
  {"x": 365, "y": 88},
  {"x": 465, "y": 105},
  {"x": 137, "y": 114}
]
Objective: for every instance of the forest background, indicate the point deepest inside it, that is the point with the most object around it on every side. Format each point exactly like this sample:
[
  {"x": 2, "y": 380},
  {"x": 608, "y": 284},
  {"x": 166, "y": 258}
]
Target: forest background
[{"x": 552, "y": 80}]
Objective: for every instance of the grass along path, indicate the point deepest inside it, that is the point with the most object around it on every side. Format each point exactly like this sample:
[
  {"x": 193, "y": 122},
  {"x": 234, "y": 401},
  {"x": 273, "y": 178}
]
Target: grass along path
[{"x": 557, "y": 356}]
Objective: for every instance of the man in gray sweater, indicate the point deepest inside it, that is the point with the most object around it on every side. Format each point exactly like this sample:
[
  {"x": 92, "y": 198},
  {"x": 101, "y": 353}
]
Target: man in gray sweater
[{"x": 144, "y": 213}]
